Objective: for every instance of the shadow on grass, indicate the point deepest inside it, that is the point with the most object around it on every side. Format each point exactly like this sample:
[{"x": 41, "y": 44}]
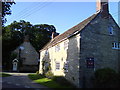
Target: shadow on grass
[{"x": 50, "y": 83}]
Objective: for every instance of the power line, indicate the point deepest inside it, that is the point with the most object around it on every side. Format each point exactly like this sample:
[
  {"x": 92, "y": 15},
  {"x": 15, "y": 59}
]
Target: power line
[
  {"x": 21, "y": 13},
  {"x": 32, "y": 9},
  {"x": 29, "y": 11},
  {"x": 37, "y": 10},
  {"x": 25, "y": 11}
]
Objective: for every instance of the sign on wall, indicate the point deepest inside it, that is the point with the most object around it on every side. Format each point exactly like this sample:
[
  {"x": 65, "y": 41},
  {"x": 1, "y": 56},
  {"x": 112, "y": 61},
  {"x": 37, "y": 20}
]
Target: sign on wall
[{"x": 90, "y": 62}]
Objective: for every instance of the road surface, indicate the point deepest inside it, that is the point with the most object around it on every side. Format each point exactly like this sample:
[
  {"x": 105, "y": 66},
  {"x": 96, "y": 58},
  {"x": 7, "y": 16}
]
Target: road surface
[{"x": 21, "y": 81}]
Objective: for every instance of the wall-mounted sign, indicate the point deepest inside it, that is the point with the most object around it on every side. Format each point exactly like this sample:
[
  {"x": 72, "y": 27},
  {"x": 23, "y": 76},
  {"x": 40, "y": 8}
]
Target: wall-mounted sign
[{"x": 90, "y": 62}]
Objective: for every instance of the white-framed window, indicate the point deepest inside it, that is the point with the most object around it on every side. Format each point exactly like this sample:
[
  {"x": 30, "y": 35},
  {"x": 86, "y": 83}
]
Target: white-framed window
[
  {"x": 111, "y": 31},
  {"x": 116, "y": 45},
  {"x": 65, "y": 66},
  {"x": 46, "y": 52},
  {"x": 57, "y": 48},
  {"x": 119, "y": 45},
  {"x": 57, "y": 66},
  {"x": 65, "y": 44}
]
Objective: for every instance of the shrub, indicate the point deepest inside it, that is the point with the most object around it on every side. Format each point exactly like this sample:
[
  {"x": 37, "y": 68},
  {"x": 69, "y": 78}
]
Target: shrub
[
  {"x": 37, "y": 72},
  {"x": 106, "y": 78},
  {"x": 13, "y": 55},
  {"x": 62, "y": 80},
  {"x": 49, "y": 74}
]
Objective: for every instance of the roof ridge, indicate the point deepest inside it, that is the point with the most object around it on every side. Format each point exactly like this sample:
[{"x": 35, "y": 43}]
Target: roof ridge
[{"x": 70, "y": 31}]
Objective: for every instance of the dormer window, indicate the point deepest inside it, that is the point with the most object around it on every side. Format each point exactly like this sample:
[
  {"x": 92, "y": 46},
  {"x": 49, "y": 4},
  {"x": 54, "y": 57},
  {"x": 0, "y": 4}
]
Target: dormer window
[{"x": 110, "y": 29}]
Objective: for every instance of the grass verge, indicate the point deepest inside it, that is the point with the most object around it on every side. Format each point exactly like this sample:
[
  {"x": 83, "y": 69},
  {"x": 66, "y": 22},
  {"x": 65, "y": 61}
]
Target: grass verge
[
  {"x": 4, "y": 75},
  {"x": 50, "y": 83}
]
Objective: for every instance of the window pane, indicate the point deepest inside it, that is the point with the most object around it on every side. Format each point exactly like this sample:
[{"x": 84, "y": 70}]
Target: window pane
[
  {"x": 111, "y": 30},
  {"x": 112, "y": 44},
  {"x": 115, "y": 45},
  {"x": 118, "y": 45},
  {"x": 65, "y": 66},
  {"x": 57, "y": 66}
]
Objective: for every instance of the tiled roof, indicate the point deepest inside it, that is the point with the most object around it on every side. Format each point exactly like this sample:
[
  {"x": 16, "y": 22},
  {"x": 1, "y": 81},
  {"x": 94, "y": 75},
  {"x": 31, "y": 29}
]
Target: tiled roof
[{"x": 69, "y": 32}]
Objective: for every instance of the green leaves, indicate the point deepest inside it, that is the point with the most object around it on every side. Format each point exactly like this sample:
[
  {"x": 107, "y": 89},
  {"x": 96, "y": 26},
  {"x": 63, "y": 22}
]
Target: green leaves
[
  {"x": 13, "y": 35},
  {"x": 6, "y": 10}
]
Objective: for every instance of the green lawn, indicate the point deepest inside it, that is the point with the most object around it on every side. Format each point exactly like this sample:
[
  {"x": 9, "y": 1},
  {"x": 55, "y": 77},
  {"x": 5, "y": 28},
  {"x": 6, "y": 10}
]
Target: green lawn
[
  {"x": 46, "y": 82},
  {"x": 4, "y": 74}
]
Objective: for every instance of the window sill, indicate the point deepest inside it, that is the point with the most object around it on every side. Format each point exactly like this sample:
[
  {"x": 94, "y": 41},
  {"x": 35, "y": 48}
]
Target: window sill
[{"x": 116, "y": 48}]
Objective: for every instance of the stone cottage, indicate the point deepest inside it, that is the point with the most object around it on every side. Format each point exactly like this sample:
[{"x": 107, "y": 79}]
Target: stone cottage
[
  {"x": 77, "y": 53},
  {"x": 27, "y": 57}
]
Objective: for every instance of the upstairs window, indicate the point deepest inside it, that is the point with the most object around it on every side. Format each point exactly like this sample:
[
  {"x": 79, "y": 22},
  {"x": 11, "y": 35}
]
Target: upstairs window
[
  {"x": 46, "y": 52},
  {"x": 57, "y": 48},
  {"x": 110, "y": 29},
  {"x": 115, "y": 45},
  {"x": 119, "y": 45}
]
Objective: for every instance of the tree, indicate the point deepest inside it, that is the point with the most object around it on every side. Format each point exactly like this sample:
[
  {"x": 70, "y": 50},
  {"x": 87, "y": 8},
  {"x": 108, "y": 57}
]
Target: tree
[
  {"x": 10, "y": 40},
  {"x": 13, "y": 36},
  {"x": 41, "y": 35},
  {"x": 6, "y": 10}
]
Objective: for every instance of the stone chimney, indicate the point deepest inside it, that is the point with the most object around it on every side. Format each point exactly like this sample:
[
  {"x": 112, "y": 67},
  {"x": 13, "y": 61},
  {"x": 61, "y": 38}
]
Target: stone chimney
[
  {"x": 54, "y": 34},
  {"x": 103, "y": 7}
]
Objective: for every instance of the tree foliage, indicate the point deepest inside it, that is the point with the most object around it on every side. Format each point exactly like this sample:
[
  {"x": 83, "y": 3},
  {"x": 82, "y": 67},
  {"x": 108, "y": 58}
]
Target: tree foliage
[
  {"x": 6, "y": 10},
  {"x": 13, "y": 36}
]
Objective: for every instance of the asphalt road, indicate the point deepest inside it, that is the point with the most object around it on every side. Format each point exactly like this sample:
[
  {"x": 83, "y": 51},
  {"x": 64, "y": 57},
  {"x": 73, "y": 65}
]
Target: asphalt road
[{"x": 20, "y": 81}]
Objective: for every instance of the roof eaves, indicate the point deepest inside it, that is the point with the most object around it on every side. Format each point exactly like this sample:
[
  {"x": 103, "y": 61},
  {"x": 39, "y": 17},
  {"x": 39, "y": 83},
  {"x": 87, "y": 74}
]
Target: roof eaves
[{"x": 74, "y": 33}]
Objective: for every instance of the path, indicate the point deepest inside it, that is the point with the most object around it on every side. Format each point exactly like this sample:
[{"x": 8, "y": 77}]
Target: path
[{"x": 20, "y": 80}]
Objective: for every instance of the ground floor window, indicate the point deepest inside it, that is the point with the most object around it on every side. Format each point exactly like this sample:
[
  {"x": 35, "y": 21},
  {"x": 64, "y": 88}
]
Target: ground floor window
[
  {"x": 65, "y": 66},
  {"x": 57, "y": 66}
]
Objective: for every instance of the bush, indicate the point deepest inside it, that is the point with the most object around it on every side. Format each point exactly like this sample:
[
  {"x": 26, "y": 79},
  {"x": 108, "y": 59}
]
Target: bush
[
  {"x": 106, "y": 78},
  {"x": 13, "y": 55},
  {"x": 62, "y": 80},
  {"x": 37, "y": 72},
  {"x": 49, "y": 74}
]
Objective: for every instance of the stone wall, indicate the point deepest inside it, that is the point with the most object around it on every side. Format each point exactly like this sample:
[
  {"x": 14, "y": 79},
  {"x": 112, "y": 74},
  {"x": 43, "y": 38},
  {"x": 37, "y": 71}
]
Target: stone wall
[
  {"x": 29, "y": 57},
  {"x": 73, "y": 57},
  {"x": 96, "y": 42},
  {"x": 70, "y": 55}
]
